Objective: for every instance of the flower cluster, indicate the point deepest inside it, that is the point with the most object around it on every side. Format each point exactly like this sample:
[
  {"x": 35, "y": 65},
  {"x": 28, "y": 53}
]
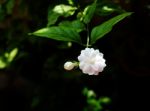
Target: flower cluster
[{"x": 91, "y": 62}]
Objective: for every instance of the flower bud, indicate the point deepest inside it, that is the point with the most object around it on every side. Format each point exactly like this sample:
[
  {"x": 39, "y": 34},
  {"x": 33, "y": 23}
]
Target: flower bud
[{"x": 69, "y": 65}]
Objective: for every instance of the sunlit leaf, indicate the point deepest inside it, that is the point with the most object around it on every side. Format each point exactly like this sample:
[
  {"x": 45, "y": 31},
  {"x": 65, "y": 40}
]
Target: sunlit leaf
[
  {"x": 7, "y": 58},
  {"x": 59, "y": 33},
  {"x": 101, "y": 30},
  {"x": 70, "y": 2},
  {"x": 59, "y": 10},
  {"x": 12, "y": 54},
  {"x": 64, "y": 10},
  {"x": 3, "y": 64}
]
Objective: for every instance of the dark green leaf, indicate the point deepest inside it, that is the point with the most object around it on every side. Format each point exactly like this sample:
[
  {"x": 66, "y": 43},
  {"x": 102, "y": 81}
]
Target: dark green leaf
[
  {"x": 75, "y": 25},
  {"x": 9, "y": 6},
  {"x": 65, "y": 23},
  {"x": 101, "y": 30},
  {"x": 52, "y": 17},
  {"x": 78, "y": 25},
  {"x": 88, "y": 13},
  {"x": 105, "y": 8},
  {"x": 59, "y": 33}
]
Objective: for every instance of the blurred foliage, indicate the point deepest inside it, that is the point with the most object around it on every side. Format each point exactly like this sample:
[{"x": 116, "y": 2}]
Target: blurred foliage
[
  {"x": 31, "y": 71},
  {"x": 7, "y": 58},
  {"x": 18, "y": 18},
  {"x": 94, "y": 103},
  {"x": 31, "y": 66}
]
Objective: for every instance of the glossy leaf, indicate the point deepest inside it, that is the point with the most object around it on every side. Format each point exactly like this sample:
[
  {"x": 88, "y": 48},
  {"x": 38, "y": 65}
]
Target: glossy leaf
[
  {"x": 101, "y": 30},
  {"x": 64, "y": 10},
  {"x": 59, "y": 10},
  {"x": 59, "y": 33},
  {"x": 88, "y": 13},
  {"x": 75, "y": 25},
  {"x": 106, "y": 8}
]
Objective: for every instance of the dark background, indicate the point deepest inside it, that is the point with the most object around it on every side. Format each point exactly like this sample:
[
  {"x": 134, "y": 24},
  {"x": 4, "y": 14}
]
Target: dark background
[{"x": 37, "y": 72}]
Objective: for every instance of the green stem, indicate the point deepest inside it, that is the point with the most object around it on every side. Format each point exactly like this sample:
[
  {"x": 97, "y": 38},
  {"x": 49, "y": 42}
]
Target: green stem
[
  {"x": 87, "y": 44},
  {"x": 88, "y": 37}
]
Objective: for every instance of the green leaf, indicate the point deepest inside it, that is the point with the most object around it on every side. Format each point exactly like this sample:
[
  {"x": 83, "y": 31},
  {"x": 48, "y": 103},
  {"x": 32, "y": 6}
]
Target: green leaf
[
  {"x": 70, "y": 2},
  {"x": 106, "y": 8},
  {"x": 89, "y": 12},
  {"x": 52, "y": 17},
  {"x": 75, "y": 25},
  {"x": 65, "y": 23},
  {"x": 101, "y": 30},
  {"x": 60, "y": 33},
  {"x": 12, "y": 55},
  {"x": 59, "y": 10},
  {"x": 3, "y": 63},
  {"x": 64, "y": 10},
  {"x": 7, "y": 58},
  {"x": 78, "y": 25}
]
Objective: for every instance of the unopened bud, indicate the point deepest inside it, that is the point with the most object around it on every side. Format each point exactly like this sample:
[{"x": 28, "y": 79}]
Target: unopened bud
[{"x": 69, "y": 65}]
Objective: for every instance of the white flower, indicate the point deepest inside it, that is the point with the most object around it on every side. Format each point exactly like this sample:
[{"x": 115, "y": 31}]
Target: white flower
[
  {"x": 69, "y": 65},
  {"x": 91, "y": 61}
]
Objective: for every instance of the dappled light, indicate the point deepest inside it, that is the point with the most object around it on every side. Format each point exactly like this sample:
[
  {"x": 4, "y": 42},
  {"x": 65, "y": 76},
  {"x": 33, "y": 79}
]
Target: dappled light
[
  {"x": 7, "y": 58},
  {"x": 64, "y": 10}
]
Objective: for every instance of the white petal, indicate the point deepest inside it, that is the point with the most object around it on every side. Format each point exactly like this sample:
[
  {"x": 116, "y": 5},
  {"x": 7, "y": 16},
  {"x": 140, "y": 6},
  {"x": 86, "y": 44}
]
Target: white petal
[{"x": 91, "y": 61}]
